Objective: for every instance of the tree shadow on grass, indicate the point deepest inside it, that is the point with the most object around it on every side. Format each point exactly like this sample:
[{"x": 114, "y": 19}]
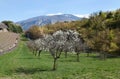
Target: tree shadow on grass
[
  {"x": 94, "y": 56},
  {"x": 68, "y": 60},
  {"x": 107, "y": 56},
  {"x": 30, "y": 70},
  {"x": 29, "y": 58}
]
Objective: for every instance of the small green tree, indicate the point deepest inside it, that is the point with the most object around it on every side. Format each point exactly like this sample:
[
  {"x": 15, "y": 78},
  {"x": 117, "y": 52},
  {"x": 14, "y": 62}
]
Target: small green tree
[{"x": 13, "y": 27}]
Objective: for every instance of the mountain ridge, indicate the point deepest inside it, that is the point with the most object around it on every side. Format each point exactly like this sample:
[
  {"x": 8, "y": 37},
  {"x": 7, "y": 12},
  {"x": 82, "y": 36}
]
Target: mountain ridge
[{"x": 47, "y": 19}]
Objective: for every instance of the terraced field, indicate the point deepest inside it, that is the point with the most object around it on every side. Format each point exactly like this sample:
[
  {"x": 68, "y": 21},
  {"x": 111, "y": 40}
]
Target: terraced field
[{"x": 8, "y": 41}]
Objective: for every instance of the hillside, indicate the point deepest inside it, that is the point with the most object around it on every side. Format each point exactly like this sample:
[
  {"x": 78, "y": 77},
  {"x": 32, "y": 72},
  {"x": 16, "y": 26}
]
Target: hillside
[
  {"x": 8, "y": 41},
  {"x": 44, "y": 20}
]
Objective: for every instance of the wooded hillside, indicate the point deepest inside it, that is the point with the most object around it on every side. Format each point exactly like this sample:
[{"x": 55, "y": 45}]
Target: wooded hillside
[{"x": 101, "y": 31}]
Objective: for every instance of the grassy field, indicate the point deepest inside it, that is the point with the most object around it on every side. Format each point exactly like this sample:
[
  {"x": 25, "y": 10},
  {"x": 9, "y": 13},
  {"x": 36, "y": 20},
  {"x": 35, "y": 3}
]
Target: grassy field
[{"x": 22, "y": 64}]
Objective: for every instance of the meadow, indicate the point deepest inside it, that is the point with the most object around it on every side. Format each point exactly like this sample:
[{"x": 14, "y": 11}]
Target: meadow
[{"x": 22, "y": 64}]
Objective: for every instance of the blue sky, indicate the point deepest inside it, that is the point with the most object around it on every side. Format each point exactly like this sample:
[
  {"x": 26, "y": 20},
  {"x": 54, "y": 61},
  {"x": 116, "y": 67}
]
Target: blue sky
[{"x": 17, "y": 10}]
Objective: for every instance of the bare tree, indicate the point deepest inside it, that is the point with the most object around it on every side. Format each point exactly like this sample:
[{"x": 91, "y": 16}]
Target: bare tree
[
  {"x": 76, "y": 43},
  {"x": 31, "y": 45},
  {"x": 60, "y": 41},
  {"x": 40, "y": 43}
]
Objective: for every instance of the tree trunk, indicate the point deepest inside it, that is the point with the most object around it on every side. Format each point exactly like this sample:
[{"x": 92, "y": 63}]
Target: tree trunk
[
  {"x": 102, "y": 55},
  {"x": 54, "y": 64},
  {"x": 59, "y": 55},
  {"x": 65, "y": 54},
  {"x": 88, "y": 54},
  {"x": 77, "y": 57},
  {"x": 39, "y": 53},
  {"x": 33, "y": 52}
]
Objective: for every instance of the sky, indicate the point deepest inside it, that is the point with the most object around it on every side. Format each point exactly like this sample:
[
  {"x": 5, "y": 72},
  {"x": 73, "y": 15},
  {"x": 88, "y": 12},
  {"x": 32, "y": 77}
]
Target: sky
[{"x": 17, "y": 10}]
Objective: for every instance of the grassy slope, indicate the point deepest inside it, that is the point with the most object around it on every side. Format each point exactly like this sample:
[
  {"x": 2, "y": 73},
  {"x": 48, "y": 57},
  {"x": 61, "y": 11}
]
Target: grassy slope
[{"x": 21, "y": 64}]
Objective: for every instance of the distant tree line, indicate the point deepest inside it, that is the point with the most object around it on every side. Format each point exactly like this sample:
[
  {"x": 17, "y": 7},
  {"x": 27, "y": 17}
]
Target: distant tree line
[{"x": 12, "y": 27}]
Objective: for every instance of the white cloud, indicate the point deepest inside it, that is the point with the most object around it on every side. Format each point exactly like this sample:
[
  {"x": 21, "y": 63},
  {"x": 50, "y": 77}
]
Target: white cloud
[
  {"x": 54, "y": 14},
  {"x": 78, "y": 15},
  {"x": 82, "y": 15}
]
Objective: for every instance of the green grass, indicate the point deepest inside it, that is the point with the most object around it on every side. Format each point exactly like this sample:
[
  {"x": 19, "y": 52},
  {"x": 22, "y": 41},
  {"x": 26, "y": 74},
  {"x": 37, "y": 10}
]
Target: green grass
[{"x": 22, "y": 64}]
